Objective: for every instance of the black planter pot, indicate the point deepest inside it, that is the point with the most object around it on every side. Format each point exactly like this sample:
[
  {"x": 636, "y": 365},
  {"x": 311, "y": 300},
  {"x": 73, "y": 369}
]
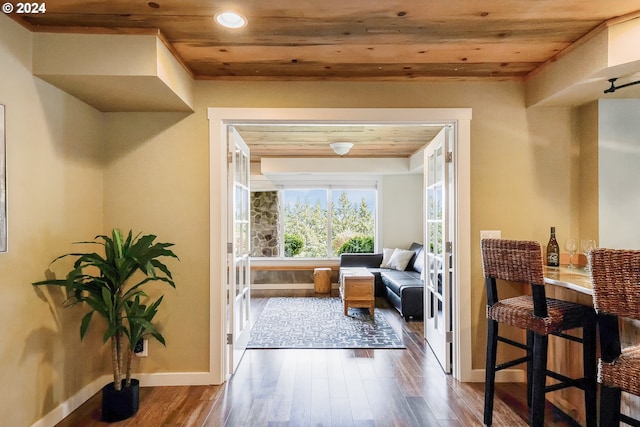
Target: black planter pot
[{"x": 120, "y": 405}]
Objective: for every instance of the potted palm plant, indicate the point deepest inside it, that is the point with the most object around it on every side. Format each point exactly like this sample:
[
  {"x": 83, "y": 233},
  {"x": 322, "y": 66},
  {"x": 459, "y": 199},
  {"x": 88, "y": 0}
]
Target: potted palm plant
[{"x": 111, "y": 285}]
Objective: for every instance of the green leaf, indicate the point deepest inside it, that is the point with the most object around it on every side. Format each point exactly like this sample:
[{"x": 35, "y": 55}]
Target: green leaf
[
  {"x": 159, "y": 337},
  {"x": 107, "y": 299},
  {"x": 55, "y": 282},
  {"x": 117, "y": 243},
  {"x": 86, "y": 320}
]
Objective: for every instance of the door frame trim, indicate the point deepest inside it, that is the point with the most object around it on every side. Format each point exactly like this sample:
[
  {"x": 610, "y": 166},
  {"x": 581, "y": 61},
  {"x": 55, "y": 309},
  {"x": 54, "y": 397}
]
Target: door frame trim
[{"x": 220, "y": 118}]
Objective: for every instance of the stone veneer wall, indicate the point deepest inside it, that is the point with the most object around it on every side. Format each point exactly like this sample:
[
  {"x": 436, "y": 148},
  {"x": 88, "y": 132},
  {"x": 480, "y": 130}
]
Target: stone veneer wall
[{"x": 264, "y": 224}]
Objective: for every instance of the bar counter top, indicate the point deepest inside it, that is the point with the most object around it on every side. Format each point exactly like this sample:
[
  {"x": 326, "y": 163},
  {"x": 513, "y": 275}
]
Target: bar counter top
[{"x": 575, "y": 278}]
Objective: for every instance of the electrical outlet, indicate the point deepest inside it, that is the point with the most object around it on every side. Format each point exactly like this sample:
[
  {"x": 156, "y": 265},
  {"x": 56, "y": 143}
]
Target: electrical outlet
[
  {"x": 490, "y": 234},
  {"x": 142, "y": 348}
]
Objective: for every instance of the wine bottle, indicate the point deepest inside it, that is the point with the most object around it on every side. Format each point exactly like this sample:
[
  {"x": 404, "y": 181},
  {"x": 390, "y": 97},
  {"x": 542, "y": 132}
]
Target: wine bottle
[{"x": 553, "y": 250}]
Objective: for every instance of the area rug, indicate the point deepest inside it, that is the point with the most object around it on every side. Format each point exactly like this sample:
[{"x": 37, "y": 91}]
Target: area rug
[{"x": 293, "y": 322}]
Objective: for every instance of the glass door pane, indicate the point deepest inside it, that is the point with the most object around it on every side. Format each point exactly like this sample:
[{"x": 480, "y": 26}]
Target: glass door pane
[{"x": 437, "y": 280}]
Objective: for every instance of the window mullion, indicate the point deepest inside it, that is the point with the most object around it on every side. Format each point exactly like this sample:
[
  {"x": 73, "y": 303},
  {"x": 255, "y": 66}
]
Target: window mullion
[
  {"x": 280, "y": 227},
  {"x": 329, "y": 222}
]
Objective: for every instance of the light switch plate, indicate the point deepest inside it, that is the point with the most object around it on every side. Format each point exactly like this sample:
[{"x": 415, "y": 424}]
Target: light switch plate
[{"x": 490, "y": 234}]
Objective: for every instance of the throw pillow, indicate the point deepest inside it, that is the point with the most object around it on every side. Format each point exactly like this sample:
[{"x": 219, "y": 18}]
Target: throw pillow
[
  {"x": 386, "y": 256},
  {"x": 400, "y": 259}
]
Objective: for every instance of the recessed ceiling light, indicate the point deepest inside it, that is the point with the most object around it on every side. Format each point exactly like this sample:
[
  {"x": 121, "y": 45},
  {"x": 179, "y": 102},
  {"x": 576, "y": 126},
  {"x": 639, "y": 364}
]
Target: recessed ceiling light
[{"x": 231, "y": 19}]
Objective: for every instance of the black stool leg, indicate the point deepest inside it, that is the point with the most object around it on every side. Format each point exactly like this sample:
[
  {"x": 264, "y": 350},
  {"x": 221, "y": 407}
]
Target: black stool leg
[
  {"x": 609, "y": 351},
  {"x": 540, "y": 345},
  {"x": 609, "y": 406},
  {"x": 529, "y": 366},
  {"x": 589, "y": 364},
  {"x": 490, "y": 371}
]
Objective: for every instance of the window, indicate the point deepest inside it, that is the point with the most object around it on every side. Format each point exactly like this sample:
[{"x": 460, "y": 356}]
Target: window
[{"x": 324, "y": 222}]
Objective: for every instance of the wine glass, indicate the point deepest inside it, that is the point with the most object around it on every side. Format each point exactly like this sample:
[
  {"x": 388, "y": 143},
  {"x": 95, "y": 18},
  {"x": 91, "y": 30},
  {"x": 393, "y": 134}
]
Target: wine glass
[
  {"x": 587, "y": 246},
  {"x": 571, "y": 246}
]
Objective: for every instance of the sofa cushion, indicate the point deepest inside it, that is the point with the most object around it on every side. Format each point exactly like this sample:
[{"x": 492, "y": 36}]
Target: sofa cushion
[
  {"x": 417, "y": 257},
  {"x": 380, "y": 288},
  {"x": 404, "y": 290},
  {"x": 400, "y": 259},
  {"x": 386, "y": 256},
  {"x": 377, "y": 270},
  {"x": 396, "y": 280},
  {"x": 360, "y": 260},
  {"x": 418, "y": 261}
]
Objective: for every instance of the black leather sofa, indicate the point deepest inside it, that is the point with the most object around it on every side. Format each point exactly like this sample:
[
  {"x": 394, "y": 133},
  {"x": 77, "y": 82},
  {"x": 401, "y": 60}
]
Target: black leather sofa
[{"x": 403, "y": 289}]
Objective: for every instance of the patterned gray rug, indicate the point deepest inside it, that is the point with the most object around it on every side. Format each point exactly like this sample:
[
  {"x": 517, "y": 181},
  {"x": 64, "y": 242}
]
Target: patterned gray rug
[{"x": 309, "y": 322}]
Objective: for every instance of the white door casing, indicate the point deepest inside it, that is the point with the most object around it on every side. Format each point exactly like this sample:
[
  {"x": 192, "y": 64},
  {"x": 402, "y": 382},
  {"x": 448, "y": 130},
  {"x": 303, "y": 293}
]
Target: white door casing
[{"x": 221, "y": 118}]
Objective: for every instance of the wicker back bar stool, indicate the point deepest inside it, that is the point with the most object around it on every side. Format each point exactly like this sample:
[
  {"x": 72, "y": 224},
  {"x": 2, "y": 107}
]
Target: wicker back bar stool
[
  {"x": 615, "y": 275},
  {"x": 520, "y": 261}
]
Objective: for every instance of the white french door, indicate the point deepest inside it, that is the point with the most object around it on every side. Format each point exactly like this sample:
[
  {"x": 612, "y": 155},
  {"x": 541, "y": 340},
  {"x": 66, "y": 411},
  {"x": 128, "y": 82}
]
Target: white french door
[
  {"x": 221, "y": 118},
  {"x": 439, "y": 230},
  {"x": 238, "y": 251}
]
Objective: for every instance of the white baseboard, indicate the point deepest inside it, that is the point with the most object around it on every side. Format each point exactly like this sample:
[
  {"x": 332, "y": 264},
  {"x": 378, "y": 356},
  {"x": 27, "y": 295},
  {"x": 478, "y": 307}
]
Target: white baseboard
[
  {"x": 174, "y": 379},
  {"x": 146, "y": 380},
  {"x": 72, "y": 403}
]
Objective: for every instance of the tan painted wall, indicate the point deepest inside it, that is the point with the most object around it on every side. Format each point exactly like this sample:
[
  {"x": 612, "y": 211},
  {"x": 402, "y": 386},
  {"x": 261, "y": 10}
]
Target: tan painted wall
[
  {"x": 54, "y": 166},
  {"x": 520, "y": 177},
  {"x": 156, "y": 181},
  {"x": 587, "y": 132},
  {"x": 156, "y": 178}
]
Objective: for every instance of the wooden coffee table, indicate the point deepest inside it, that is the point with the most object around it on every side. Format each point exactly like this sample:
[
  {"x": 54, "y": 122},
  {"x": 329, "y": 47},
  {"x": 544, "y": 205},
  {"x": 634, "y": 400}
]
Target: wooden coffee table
[{"x": 356, "y": 289}]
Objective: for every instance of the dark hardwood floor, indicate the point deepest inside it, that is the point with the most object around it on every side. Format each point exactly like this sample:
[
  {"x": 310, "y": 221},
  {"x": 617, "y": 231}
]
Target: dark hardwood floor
[{"x": 327, "y": 388}]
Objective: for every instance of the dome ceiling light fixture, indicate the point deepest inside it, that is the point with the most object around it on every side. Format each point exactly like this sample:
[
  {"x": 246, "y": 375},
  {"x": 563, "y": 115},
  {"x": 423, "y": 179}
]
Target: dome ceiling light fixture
[
  {"x": 231, "y": 19},
  {"x": 341, "y": 148}
]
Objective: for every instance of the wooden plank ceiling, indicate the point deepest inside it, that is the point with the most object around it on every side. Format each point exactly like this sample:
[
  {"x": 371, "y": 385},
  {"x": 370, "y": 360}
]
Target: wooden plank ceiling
[
  {"x": 348, "y": 39},
  {"x": 364, "y": 40},
  {"x": 368, "y": 140}
]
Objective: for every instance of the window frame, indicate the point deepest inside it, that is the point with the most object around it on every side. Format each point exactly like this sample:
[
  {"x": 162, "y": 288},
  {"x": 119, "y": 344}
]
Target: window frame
[
  {"x": 339, "y": 181},
  {"x": 329, "y": 188}
]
